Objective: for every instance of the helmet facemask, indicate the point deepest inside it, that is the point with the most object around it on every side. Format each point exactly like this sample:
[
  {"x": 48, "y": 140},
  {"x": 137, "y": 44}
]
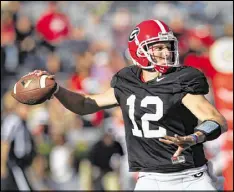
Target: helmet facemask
[{"x": 146, "y": 49}]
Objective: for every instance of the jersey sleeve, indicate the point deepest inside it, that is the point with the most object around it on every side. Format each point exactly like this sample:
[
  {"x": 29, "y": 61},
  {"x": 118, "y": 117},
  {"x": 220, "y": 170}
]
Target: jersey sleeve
[
  {"x": 194, "y": 82},
  {"x": 123, "y": 81},
  {"x": 113, "y": 84},
  {"x": 116, "y": 81}
]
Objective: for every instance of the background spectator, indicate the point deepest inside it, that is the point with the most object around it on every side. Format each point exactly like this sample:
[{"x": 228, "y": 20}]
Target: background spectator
[{"x": 105, "y": 157}]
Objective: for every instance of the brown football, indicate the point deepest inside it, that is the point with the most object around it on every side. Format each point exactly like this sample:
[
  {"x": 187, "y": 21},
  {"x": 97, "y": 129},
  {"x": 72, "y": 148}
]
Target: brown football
[{"x": 33, "y": 90}]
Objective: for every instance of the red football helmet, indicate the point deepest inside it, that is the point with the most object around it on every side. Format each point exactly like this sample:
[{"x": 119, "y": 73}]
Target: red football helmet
[{"x": 147, "y": 33}]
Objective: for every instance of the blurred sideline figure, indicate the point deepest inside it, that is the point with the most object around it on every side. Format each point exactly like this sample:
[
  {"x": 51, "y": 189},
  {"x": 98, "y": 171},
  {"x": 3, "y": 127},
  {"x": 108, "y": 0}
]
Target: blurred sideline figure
[
  {"x": 105, "y": 157},
  {"x": 17, "y": 148},
  {"x": 62, "y": 174}
]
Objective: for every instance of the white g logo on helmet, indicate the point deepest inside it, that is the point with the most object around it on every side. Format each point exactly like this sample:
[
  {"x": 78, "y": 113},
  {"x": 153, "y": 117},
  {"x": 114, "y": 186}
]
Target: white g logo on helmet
[{"x": 135, "y": 32}]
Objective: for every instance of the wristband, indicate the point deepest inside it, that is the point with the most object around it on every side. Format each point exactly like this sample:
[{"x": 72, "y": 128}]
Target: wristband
[
  {"x": 210, "y": 128},
  {"x": 195, "y": 138}
]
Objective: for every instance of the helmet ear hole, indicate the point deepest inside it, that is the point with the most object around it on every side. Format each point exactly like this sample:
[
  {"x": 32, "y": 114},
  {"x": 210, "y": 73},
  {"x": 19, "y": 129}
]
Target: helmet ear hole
[{"x": 140, "y": 51}]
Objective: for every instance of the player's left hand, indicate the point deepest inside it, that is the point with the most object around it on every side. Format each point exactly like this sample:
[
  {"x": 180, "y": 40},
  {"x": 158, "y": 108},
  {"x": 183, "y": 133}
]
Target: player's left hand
[{"x": 183, "y": 143}]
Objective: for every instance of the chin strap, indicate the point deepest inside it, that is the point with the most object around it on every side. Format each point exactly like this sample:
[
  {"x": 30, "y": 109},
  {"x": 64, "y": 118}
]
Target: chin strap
[{"x": 161, "y": 69}]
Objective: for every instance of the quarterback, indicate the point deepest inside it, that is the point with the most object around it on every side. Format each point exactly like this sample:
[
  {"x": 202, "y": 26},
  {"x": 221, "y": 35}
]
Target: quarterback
[{"x": 161, "y": 103}]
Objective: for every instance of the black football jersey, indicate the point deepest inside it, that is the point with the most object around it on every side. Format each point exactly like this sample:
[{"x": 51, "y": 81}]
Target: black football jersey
[{"x": 154, "y": 109}]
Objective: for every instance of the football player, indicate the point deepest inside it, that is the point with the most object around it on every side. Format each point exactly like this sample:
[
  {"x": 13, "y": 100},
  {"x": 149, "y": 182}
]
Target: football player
[{"x": 161, "y": 103}]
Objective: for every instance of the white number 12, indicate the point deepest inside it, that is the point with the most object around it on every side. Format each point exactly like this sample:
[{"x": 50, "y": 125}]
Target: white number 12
[{"x": 146, "y": 117}]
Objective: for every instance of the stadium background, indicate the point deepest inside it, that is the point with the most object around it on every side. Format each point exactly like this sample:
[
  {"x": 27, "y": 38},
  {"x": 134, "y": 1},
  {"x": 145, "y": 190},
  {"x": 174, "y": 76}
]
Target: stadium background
[{"x": 84, "y": 44}]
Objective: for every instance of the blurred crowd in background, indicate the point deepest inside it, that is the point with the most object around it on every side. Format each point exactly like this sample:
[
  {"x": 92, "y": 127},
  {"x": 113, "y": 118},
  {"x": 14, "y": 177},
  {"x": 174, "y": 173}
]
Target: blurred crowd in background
[{"x": 84, "y": 43}]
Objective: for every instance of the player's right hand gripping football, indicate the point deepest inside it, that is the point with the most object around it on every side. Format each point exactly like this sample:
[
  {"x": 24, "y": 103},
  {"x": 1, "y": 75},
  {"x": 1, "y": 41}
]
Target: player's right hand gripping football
[{"x": 40, "y": 73}]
